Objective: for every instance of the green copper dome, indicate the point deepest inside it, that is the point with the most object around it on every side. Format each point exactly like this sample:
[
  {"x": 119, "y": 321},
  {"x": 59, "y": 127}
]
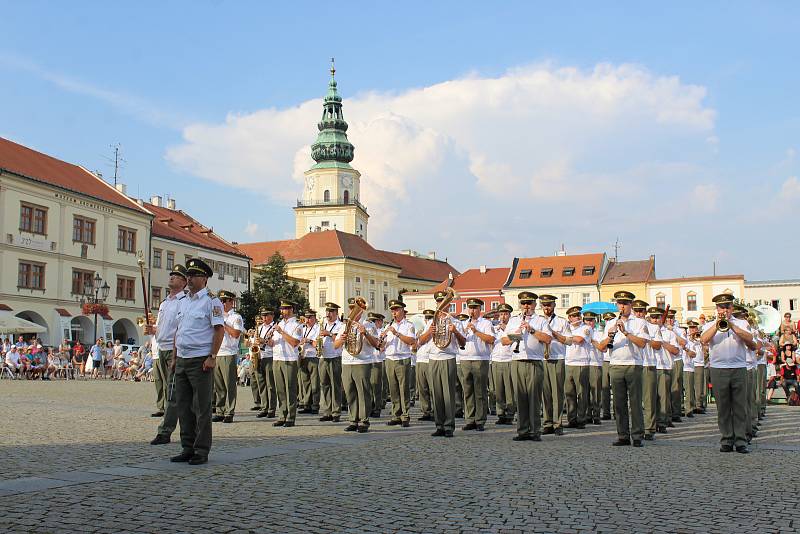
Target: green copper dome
[{"x": 332, "y": 144}]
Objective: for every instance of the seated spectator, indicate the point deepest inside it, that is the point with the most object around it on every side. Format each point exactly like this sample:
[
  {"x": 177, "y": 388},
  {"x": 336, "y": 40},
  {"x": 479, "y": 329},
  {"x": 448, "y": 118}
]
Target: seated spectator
[
  {"x": 21, "y": 345},
  {"x": 773, "y": 378},
  {"x": 788, "y": 331},
  {"x": 243, "y": 370},
  {"x": 36, "y": 364},
  {"x": 789, "y": 372},
  {"x": 79, "y": 358},
  {"x": 13, "y": 361},
  {"x": 131, "y": 368},
  {"x": 146, "y": 367},
  {"x": 51, "y": 364}
]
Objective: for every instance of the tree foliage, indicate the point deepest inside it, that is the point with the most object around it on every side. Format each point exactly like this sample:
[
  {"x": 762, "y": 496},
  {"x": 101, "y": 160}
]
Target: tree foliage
[{"x": 270, "y": 286}]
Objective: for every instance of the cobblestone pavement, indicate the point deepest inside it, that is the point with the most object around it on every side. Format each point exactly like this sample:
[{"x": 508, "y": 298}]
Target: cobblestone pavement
[{"x": 75, "y": 458}]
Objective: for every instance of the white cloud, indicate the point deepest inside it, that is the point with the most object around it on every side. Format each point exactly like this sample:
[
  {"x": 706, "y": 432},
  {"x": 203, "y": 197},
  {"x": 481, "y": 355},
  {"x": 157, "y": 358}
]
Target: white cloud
[
  {"x": 251, "y": 229},
  {"x": 468, "y": 153},
  {"x": 704, "y": 197}
]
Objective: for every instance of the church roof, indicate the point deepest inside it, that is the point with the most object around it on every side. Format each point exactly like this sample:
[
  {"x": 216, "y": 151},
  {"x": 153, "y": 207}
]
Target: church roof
[{"x": 334, "y": 244}]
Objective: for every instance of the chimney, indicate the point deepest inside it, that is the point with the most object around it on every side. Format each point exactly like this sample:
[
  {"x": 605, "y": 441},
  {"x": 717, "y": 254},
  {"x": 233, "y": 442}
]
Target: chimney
[
  {"x": 121, "y": 188},
  {"x": 450, "y": 275},
  {"x": 140, "y": 201},
  {"x": 155, "y": 200},
  {"x": 483, "y": 269},
  {"x": 561, "y": 252},
  {"x": 171, "y": 203},
  {"x": 432, "y": 255}
]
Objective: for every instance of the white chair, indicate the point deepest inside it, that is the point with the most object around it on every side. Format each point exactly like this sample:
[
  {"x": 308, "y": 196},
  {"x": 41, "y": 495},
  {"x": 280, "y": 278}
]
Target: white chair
[{"x": 6, "y": 372}]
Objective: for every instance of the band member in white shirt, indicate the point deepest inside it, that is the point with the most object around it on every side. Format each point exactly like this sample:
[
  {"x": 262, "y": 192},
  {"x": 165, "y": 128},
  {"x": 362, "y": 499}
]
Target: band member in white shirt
[
  {"x": 285, "y": 341},
  {"x": 356, "y": 370},
  {"x": 576, "y": 387},
  {"x": 423, "y": 372},
  {"x": 676, "y": 387},
  {"x": 689, "y": 353},
  {"x": 378, "y": 378},
  {"x": 533, "y": 333},
  {"x": 225, "y": 379},
  {"x": 330, "y": 365},
  {"x": 397, "y": 339},
  {"x": 264, "y": 368},
  {"x": 595, "y": 370},
  {"x": 309, "y": 365},
  {"x": 606, "y": 393},
  {"x": 554, "y": 370},
  {"x": 475, "y": 359},
  {"x": 501, "y": 369},
  {"x": 649, "y": 372},
  {"x": 629, "y": 336},
  {"x": 728, "y": 360}
]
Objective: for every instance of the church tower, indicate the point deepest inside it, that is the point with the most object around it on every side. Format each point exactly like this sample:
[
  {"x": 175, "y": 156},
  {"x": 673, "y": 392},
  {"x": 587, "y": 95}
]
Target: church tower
[{"x": 332, "y": 192}]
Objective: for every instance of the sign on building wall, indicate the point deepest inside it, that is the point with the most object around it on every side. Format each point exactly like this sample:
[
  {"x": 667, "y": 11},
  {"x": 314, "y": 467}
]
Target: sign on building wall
[{"x": 32, "y": 243}]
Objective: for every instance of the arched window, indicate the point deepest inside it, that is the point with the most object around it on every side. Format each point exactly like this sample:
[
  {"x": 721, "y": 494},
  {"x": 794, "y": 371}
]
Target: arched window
[
  {"x": 660, "y": 300},
  {"x": 691, "y": 301},
  {"x": 346, "y": 196},
  {"x": 326, "y": 196}
]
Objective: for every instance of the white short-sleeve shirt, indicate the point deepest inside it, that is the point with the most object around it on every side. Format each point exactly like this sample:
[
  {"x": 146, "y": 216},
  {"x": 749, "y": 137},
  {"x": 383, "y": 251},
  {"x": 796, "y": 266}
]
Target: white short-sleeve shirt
[
  {"x": 558, "y": 350},
  {"x": 197, "y": 316},
  {"x": 167, "y": 323},
  {"x": 625, "y": 352},
  {"x": 230, "y": 344},
  {"x": 282, "y": 350},
  {"x": 530, "y": 348},
  {"x": 394, "y": 347},
  {"x": 649, "y": 354},
  {"x": 727, "y": 350},
  {"x": 475, "y": 348},
  {"x": 368, "y": 352},
  {"x": 449, "y": 352},
  {"x": 578, "y": 353},
  {"x": 501, "y": 353},
  {"x": 309, "y": 351},
  {"x": 328, "y": 350}
]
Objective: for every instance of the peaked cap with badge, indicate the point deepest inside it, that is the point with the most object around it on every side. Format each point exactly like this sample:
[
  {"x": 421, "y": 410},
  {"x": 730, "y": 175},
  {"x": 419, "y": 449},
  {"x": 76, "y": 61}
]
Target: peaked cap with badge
[
  {"x": 624, "y": 296},
  {"x": 527, "y": 297},
  {"x": 178, "y": 270},
  {"x": 196, "y": 266}
]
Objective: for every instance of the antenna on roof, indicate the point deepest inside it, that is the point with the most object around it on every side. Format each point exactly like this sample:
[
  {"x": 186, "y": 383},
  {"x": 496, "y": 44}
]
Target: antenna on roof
[
  {"x": 118, "y": 161},
  {"x": 617, "y": 246}
]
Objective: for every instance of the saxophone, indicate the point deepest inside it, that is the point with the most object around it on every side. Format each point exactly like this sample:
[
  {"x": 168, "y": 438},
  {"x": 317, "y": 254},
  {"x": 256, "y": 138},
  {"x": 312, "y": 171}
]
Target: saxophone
[
  {"x": 441, "y": 322},
  {"x": 353, "y": 340}
]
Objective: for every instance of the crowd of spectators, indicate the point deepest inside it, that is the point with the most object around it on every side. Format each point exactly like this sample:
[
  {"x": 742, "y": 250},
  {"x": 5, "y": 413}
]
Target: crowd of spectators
[{"x": 31, "y": 360}]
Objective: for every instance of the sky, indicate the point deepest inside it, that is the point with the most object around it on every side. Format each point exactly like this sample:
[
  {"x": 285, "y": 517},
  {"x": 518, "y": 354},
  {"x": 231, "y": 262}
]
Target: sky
[{"x": 483, "y": 131}]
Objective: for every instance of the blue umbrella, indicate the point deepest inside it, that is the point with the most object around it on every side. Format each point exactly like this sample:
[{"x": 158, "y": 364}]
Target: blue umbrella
[{"x": 600, "y": 307}]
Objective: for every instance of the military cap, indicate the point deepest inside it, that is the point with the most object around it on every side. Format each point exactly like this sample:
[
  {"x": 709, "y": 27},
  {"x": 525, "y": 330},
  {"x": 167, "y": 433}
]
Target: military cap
[
  {"x": 196, "y": 266},
  {"x": 655, "y": 311},
  {"x": 374, "y": 315},
  {"x": 463, "y": 316},
  {"x": 474, "y": 303},
  {"x": 331, "y": 306},
  {"x": 439, "y": 295},
  {"x": 624, "y": 296},
  {"x": 692, "y": 323},
  {"x": 428, "y": 313},
  {"x": 573, "y": 310},
  {"x": 286, "y": 303},
  {"x": 266, "y": 311},
  {"x": 224, "y": 294},
  {"x": 178, "y": 270},
  {"x": 723, "y": 298},
  {"x": 505, "y": 308},
  {"x": 672, "y": 312},
  {"x": 395, "y": 303},
  {"x": 527, "y": 296},
  {"x": 738, "y": 308},
  {"x": 589, "y": 315},
  {"x": 608, "y": 316},
  {"x": 547, "y": 299},
  {"x": 311, "y": 313},
  {"x": 639, "y": 305}
]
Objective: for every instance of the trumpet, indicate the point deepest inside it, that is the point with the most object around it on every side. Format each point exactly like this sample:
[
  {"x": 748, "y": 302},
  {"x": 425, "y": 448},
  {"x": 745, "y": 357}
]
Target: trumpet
[{"x": 723, "y": 325}]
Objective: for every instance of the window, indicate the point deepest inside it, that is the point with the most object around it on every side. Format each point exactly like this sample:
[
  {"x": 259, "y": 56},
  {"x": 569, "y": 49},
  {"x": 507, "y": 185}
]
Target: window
[
  {"x": 525, "y": 273},
  {"x": 346, "y": 196},
  {"x": 452, "y": 308},
  {"x": 565, "y": 300},
  {"x": 385, "y": 283},
  {"x": 372, "y": 282},
  {"x": 186, "y": 258},
  {"x": 691, "y": 302},
  {"x": 586, "y": 298},
  {"x": 358, "y": 292},
  {"x": 463, "y": 305},
  {"x": 323, "y": 298},
  {"x": 126, "y": 239},
  {"x": 358, "y": 279},
  {"x": 588, "y": 270},
  {"x": 420, "y": 304},
  {"x": 31, "y": 275},
  {"x": 325, "y": 224},
  {"x": 661, "y": 301},
  {"x": 323, "y": 278},
  {"x": 170, "y": 260},
  {"x": 776, "y": 304},
  {"x": 83, "y": 230},
  {"x": 156, "y": 258},
  {"x": 568, "y": 271},
  {"x": 81, "y": 279},
  {"x": 372, "y": 299},
  {"x": 326, "y": 196},
  {"x": 126, "y": 288},
  {"x": 155, "y": 300},
  {"x": 495, "y": 305},
  {"x": 386, "y": 302},
  {"x": 792, "y": 304},
  {"x": 547, "y": 272},
  {"x": 32, "y": 218}
]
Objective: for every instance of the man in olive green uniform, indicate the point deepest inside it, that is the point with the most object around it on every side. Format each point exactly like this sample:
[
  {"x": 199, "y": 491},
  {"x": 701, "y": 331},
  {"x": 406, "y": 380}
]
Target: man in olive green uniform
[
  {"x": 225, "y": 377},
  {"x": 197, "y": 341},
  {"x": 475, "y": 358},
  {"x": 285, "y": 341},
  {"x": 554, "y": 367}
]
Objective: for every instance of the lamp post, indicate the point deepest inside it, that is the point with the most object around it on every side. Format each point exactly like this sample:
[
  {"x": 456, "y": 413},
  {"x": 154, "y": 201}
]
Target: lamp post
[{"x": 96, "y": 292}]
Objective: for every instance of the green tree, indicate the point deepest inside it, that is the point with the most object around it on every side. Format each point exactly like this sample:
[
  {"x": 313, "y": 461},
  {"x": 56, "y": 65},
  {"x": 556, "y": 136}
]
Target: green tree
[{"x": 270, "y": 286}]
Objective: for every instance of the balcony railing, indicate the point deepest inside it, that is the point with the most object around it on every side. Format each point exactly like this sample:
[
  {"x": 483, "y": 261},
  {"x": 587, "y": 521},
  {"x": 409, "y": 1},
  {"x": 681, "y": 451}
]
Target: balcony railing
[{"x": 340, "y": 201}]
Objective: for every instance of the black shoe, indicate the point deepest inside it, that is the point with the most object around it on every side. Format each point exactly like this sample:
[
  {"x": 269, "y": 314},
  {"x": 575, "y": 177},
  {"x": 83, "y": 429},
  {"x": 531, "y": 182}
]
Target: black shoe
[
  {"x": 351, "y": 428},
  {"x": 448, "y": 433},
  {"x": 314, "y": 412},
  {"x": 393, "y": 422},
  {"x": 606, "y": 418},
  {"x": 160, "y": 439},
  {"x": 326, "y": 418},
  {"x": 375, "y": 414},
  {"x": 157, "y": 414},
  {"x": 289, "y": 424},
  {"x": 228, "y": 419},
  {"x": 726, "y": 448},
  {"x": 469, "y": 426},
  {"x": 425, "y": 418},
  {"x": 271, "y": 414},
  {"x": 670, "y": 425},
  {"x": 549, "y": 430},
  {"x": 638, "y": 443},
  {"x": 182, "y": 457},
  {"x": 558, "y": 431},
  {"x": 596, "y": 422},
  {"x": 676, "y": 419},
  {"x": 217, "y": 419},
  {"x": 690, "y": 414},
  {"x": 480, "y": 428},
  {"x": 304, "y": 410},
  {"x": 460, "y": 414},
  {"x": 492, "y": 412},
  {"x": 661, "y": 429},
  {"x": 336, "y": 418},
  {"x": 255, "y": 409},
  {"x": 439, "y": 433},
  {"x": 405, "y": 424},
  {"x": 262, "y": 414},
  {"x": 574, "y": 424},
  {"x": 198, "y": 459},
  {"x": 500, "y": 421},
  {"x": 535, "y": 437},
  {"x": 742, "y": 449},
  {"x": 622, "y": 443},
  {"x": 363, "y": 429},
  {"x": 279, "y": 423},
  {"x": 522, "y": 437},
  {"x": 649, "y": 437}
]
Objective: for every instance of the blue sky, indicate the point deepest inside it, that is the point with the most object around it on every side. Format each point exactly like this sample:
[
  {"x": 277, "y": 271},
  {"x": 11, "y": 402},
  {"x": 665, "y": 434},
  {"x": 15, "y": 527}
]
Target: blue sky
[{"x": 535, "y": 126}]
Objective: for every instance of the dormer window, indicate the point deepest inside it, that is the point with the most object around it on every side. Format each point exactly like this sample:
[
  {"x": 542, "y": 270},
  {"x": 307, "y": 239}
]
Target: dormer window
[
  {"x": 525, "y": 273},
  {"x": 588, "y": 270},
  {"x": 568, "y": 271},
  {"x": 547, "y": 272}
]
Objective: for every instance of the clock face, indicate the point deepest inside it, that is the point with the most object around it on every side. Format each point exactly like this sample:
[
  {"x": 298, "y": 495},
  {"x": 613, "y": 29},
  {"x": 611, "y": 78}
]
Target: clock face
[
  {"x": 310, "y": 183},
  {"x": 347, "y": 181}
]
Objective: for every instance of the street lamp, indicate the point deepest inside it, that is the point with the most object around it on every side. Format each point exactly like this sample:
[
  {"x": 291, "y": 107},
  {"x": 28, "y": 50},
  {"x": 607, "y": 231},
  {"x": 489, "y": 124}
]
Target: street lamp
[{"x": 96, "y": 293}]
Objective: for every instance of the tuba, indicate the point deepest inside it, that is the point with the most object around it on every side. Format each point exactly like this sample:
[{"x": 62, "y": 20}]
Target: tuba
[
  {"x": 441, "y": 322},
  {"x": 353, "y": 340}
]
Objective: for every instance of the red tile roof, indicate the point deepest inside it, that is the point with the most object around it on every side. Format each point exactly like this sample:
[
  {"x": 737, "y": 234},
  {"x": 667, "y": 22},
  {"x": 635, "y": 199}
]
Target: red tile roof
[
  {"x": 179, "y": 226},
  {"x": 700, "y": 278},
  {"x": 473, "y": 280},
  {"x": 626, "y": 272},
  {"x": 534, "y": 267},
  {"x": 338, "y": 244},
  {"x": 31, "y": 164},
  {"x": 4, "y": 307}
]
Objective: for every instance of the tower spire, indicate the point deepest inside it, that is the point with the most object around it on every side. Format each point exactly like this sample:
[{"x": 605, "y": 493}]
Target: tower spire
[{"x": 332, "y": 145}]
